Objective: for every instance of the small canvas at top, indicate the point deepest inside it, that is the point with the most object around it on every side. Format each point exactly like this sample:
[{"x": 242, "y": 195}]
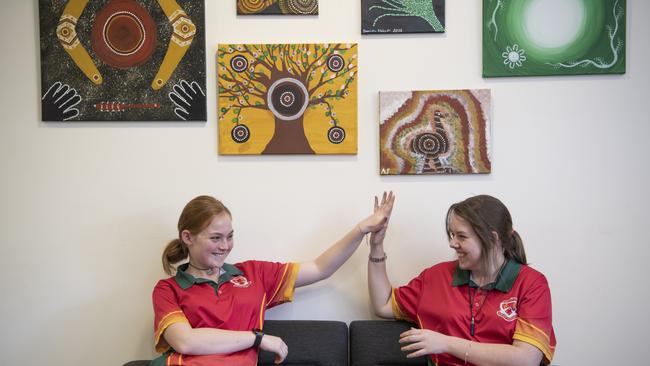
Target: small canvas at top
[
  {"x": 277, "y": 7},
  {"x": 434, "y": 132},
  {"x": 402, "y": 16}
]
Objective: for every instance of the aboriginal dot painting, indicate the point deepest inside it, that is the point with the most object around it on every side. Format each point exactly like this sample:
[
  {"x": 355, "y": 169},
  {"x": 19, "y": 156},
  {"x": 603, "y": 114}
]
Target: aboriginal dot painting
[
  {"x": 553, "y": 37},
  {"x": 402, "y": 16},
  {"x": 287, "y": 98},
  {"x": 277, "y": 7},
  {"x": 122, "y": 60},
  {"x": 434, "y": 132}
]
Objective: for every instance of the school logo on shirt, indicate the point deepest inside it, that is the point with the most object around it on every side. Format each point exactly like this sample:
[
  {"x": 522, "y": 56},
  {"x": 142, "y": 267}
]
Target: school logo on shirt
[
  {"x": 508, "y": 309},
  {"x": 240, "y": 281}
]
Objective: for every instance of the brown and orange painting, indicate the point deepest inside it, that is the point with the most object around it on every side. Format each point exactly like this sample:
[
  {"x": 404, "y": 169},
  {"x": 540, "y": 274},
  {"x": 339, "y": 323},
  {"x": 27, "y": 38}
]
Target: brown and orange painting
[
  {"x": 435, "y": 132},
  {"x": 287, "y": 99}
]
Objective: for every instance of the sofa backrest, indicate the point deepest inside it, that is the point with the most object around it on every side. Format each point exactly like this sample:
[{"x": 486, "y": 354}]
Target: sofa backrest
[
  {"x": 375, "y": 342},
  {"x": 310, "y": 342}
]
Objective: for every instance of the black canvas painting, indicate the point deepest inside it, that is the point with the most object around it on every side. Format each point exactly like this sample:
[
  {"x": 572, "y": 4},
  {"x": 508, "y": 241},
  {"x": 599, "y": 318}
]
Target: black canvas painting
[
  {"x": 122, "y": 60},
  {"x": 402, "y": 16}
]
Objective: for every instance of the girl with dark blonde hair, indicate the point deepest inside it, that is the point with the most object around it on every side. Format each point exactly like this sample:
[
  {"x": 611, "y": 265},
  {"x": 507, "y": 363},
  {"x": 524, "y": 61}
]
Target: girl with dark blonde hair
[{"x": 211, "y": 312}]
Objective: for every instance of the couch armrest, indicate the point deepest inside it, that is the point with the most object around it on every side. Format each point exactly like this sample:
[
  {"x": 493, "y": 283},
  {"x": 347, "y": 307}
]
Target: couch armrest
[
  {"x": 310, "y": 342},
  {"x": 375, "y": 342}
]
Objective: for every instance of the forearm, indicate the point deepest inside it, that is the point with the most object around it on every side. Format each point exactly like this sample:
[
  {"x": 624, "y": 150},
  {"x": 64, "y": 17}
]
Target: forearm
[
  {"x": 492, "y": 354},
  {"x": 331, "y": 259},
  {"x": 206, "y": 341},
  {"x": 379, "y": 285}
]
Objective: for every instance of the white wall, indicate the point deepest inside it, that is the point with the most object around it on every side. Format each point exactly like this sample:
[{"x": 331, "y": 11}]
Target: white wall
[{"x": 87, "y": 207}]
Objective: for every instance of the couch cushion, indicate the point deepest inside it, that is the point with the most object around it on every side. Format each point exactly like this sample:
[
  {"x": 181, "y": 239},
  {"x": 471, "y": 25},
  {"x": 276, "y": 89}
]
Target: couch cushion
[
  {"x": 310, "y": 342},
  {"x": 375, "y": 342}
]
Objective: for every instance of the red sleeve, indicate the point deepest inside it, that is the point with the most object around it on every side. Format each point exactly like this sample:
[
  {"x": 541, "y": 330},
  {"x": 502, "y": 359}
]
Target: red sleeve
[
  {"x": 534, "y": 322},
  {"x": 406, "y": 299},
  {"x": 166, "y": 312},
  {"x": 279, "y": 281}
]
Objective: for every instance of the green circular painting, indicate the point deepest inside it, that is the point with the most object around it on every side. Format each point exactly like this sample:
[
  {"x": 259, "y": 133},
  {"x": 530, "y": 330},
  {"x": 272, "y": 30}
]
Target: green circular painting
[{"x": 553, "y": 37}]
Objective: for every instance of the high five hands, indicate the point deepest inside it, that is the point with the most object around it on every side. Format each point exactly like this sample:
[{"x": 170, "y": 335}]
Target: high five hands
[{"x": 377, "y": 223}]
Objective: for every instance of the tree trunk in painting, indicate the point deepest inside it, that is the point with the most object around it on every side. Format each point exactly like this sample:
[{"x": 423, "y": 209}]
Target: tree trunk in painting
[{"x": 288, "y": 138}]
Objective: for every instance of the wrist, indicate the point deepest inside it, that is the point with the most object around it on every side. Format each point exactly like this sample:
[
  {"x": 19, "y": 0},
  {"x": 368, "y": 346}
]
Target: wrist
[
  {"x": 360, "y": 229},
  {"x": 258, "y": 337}
]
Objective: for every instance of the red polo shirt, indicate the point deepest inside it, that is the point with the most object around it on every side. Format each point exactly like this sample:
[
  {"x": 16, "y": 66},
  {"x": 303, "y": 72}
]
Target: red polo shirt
[
  {"x": 517, "y": 306},
  {"x": 236, "y": 302}
]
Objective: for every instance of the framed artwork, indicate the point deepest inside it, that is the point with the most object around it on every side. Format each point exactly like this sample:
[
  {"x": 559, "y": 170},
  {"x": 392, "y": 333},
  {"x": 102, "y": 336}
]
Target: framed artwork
[
  {"x": 287, "y": 98},
  {"x": 402, "y": 16},
  {"x": 553, "y": 37},
  {"x": 277, "y": 7},
  {"x": 434, "y": 132},
  {"x": 122, "y": 60}
]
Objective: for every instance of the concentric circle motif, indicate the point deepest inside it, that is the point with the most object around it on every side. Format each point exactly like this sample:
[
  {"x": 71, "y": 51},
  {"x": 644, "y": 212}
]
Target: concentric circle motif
[
  {"x": 240, "y": 134},
  {"x": 335, "y": 63},
  {"x": 239, "y": 63},
  {"x": 288, "y": 98},
  {"x": 336, "y": 135},
  {"x": 430, "y": 144},
  {"x": 302, "y": 7},
  {"x": 253, "y": 6},
  {"x": 123, "y": 34}
]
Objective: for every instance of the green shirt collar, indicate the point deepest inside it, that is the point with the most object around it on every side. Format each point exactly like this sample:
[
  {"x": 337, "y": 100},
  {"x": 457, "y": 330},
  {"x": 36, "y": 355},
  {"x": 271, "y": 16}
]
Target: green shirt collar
[
  {"x": 504, "y": 283},
  {"x": 186, "y": 280}
]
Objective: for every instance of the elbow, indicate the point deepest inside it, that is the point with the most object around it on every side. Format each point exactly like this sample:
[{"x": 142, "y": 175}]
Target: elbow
[
  {"x": 182, "y": 345},
  {"x": 385, "y": 311}
]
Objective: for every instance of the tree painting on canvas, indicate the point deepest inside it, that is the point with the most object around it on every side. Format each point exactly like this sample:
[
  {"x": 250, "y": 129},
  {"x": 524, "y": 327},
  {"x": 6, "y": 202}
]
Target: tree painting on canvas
[{"x": 287, "y": 98}]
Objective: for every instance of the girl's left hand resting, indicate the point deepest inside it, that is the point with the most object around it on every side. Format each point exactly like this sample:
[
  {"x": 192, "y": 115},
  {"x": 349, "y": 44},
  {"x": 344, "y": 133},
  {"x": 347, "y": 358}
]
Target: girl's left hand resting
[
  {"x": 275, "y": 345},
  {"x": 423, "y": 342}
]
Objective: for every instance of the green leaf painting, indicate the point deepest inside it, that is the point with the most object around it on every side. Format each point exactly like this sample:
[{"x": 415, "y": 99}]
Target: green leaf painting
[{"x": 553, "y": 37}]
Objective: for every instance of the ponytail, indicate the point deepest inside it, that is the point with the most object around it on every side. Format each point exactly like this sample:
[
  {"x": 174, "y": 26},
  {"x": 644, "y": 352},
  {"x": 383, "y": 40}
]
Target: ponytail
[
  {"x": 174, "y": 252},
  {"x": 195, "y": 217},
  {"x": 487, "y": 214},
  {"x": 515, "y": 250}
]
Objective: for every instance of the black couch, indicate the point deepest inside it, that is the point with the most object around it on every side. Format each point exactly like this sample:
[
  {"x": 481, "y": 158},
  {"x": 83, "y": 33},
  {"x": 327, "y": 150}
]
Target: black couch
[
  {"x": 375, "y": 342},
  {"x": 310, "y": 342}
]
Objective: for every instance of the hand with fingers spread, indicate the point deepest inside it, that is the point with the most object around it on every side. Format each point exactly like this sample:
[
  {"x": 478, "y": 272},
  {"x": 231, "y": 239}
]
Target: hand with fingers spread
[
  {"x": 421, "y": 342},
  {"x": 59, "y": 103},
  {"x": 377, "y": 237},
  {"x": 189, "y": 100},
  {"x": 378, "y": 221},
  {"x": 275, "y": 345}
]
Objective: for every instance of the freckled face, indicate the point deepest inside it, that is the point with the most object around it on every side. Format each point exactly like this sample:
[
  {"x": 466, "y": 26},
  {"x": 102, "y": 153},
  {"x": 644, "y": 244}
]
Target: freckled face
[
  {"x": 465, "y": 242},
  {"x": 210, "y": 247}
]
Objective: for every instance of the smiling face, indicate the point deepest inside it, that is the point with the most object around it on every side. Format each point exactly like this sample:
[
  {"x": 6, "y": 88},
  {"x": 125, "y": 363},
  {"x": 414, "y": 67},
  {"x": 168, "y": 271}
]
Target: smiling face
[
  {"x": 463, "y": 239},
  {"x": 210, "y": 247}
]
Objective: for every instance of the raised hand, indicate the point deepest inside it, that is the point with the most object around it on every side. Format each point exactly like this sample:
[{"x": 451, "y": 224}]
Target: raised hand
[
  {"x": 59, "y": 103},
  {"x": 423, "y": 342},
  {"x": 377, "y": 237},
  {"x": 378, "y": 221},
  {"x": 189, "y": 100},
  {"x": 276, "y": 345}
]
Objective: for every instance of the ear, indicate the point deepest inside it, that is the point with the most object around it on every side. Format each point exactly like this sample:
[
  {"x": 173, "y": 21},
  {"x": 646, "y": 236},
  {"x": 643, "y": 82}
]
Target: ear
[
  {"x": 186, "y": 237},
  {"x": 495, "y": 238}
]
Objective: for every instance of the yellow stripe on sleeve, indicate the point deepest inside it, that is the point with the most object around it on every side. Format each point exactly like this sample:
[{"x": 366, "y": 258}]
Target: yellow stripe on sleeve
[
  {"x": 397, "y": 311},
  {"x": 544, "y": 347},
  {"x": 286, "y": 285},
  {"x": 166, "y": 321},
  {"x": 530, "y": 333}
]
